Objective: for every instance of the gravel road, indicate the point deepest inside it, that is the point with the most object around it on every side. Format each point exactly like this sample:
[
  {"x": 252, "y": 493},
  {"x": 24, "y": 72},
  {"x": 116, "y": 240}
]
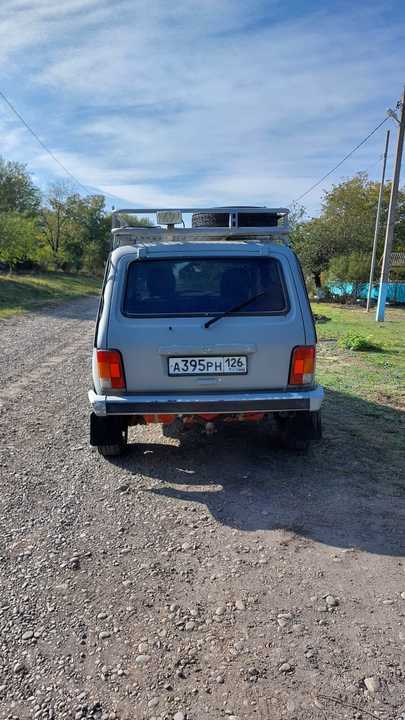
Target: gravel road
[{"x": 194, "y": 578}]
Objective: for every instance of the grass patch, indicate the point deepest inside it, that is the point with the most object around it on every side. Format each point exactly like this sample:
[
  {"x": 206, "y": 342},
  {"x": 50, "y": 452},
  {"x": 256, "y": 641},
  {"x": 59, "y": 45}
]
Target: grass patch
[
  {"x": 375, "y": 376},
  {"x": 358, "y": 343},
  {"x": 21, "y": 293}
]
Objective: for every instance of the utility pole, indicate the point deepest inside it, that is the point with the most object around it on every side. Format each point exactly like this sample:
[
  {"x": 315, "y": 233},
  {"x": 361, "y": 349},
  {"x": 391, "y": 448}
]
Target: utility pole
[
  {"x": 389, "y": 235},
  {"x": 377, "y": 222}
]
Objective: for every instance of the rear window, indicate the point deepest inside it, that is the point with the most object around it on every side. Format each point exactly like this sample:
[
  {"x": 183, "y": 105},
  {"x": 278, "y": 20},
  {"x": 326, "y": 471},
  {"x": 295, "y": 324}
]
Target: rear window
[{"x": 202, "y": 286}]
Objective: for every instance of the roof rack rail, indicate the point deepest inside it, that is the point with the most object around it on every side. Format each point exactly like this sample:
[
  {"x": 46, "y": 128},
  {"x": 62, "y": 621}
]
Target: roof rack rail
[{"x": 237, "y": 226}]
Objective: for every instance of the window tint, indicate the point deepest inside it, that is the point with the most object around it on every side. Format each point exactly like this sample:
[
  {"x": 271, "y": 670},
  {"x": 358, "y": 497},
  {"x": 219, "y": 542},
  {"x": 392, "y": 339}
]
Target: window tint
[{"x": 189, "y": 286}]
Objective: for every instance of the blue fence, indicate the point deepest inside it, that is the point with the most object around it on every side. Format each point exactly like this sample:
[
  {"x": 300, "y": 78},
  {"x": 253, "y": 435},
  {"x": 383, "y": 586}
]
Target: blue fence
[{"x": 396, "y": 291}]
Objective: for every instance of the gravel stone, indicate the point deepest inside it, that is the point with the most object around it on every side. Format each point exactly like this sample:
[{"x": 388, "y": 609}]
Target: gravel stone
[
  {"x": 372, "y": 684},
  {"x": 220, "y": 610},
  {"x": 285, "y": 668},
  {"x": 142, "y": 659}
]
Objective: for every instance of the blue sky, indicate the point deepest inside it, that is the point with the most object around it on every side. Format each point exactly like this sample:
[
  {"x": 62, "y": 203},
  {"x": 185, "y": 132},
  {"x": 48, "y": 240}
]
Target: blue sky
[{"x": 200, "y": 101}]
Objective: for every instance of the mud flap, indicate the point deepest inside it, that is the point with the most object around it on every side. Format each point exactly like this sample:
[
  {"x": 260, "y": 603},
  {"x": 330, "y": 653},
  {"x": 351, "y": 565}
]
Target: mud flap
[
  {"x": 106, "y": 430},
  {"x": 300, "y": 430}
]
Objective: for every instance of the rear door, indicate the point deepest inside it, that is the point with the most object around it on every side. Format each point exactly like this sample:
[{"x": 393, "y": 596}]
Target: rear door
[{"x": 160, "y": 306}]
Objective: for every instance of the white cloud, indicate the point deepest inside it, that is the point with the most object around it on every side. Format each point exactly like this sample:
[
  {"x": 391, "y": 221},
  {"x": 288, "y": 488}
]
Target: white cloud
[{"x": 202, "y": 102}]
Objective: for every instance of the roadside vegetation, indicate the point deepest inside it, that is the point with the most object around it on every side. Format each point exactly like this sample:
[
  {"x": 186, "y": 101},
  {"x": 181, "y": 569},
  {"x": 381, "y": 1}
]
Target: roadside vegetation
[
  {"x": 19, "y": 293},
  {"x": 53, "y": 245},
  {"x": 335, "y": 248},
  {"x": 54, "y": 231},
  {"x": 61, "y": 231},
  {"x": 374, "y": 369}
]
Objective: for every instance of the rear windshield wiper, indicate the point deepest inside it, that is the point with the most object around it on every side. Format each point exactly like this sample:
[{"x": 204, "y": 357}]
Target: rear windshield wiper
[{"x": 233, "y": 309}]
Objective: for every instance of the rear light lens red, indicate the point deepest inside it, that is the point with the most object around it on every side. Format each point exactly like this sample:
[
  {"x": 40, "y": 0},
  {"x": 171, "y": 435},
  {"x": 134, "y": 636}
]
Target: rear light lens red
[
  {"x": 110, "y": 369},
  {"x": 302, "y": 370}
]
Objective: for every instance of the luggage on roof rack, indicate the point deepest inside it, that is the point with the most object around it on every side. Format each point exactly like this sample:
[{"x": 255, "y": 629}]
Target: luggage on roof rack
[{"x": 224, "y": 223}]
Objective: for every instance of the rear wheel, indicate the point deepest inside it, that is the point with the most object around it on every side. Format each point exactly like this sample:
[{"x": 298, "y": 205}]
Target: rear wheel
[
  {"x": 109, "y": 434},
  {"x": 113, "y": 450},
  {"x": 299, "y": 431}
]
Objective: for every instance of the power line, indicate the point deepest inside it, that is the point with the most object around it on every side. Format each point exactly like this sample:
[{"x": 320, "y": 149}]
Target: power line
[
  {"x": 340, "y": 163},
  {"x": 42, "y": 144}
]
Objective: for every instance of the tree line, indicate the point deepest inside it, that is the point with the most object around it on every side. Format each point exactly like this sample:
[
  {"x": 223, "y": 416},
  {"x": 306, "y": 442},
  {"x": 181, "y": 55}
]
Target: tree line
[
  {"x": 61, "y": 230},
  {"x": 335, "y": 248},
  {"x": 58, "y": 230}
]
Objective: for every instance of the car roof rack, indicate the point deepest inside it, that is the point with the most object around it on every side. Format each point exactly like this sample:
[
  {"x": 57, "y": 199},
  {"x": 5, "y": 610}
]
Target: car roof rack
[{"x": 124, "y": 233}]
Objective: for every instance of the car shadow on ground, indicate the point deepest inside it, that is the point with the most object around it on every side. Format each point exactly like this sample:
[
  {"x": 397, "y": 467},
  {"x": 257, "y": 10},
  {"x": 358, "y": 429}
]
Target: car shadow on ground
[{"x": 349, "y": 491}]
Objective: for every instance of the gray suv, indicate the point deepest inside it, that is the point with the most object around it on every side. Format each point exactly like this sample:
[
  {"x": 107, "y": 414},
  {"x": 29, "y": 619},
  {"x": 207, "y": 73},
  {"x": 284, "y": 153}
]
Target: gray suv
[{"x": 205, "y": 324}]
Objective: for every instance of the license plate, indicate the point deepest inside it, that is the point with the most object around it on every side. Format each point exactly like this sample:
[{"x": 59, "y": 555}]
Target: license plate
[{"x": 212, "y": 365}]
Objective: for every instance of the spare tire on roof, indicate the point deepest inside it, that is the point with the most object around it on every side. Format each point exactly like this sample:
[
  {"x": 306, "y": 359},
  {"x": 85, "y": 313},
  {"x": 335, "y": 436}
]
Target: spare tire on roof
[
  {"x": 210, "y": 219},
  {"x": 249, "y": 218}
]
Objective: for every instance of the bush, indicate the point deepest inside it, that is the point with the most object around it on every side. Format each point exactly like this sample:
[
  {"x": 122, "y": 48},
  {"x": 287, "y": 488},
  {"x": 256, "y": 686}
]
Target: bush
[{"x": 356, "y": 342}]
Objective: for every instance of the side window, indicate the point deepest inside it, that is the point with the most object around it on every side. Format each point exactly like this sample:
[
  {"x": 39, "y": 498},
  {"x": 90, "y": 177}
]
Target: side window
[
  {"x": 101, "y": 302},
  {"x": 304, "y": 285}
]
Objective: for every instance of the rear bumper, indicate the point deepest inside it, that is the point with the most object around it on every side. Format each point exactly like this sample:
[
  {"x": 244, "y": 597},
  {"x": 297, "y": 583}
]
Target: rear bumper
[{"x": 194, "y": 403}]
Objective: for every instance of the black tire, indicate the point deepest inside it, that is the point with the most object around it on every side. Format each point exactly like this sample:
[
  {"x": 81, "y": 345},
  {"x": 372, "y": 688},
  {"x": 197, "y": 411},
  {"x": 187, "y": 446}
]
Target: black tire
[
  {"x": 300, "y": 431},
  {"x": 109, "y": 434},
  {"x": 111, "y": 450},
  {"x": 117, "y": 448},
  {"x": 246, "y": 219},
  {"x": 210, "y": 220}
]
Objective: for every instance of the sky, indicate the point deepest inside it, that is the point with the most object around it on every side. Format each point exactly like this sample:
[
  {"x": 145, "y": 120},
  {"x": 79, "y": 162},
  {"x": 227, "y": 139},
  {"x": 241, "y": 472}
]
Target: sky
[{"x": 200, "y": 102}]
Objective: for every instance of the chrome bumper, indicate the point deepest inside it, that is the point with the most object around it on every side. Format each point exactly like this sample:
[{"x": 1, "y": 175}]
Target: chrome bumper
[{"x": 194, "y": 403}]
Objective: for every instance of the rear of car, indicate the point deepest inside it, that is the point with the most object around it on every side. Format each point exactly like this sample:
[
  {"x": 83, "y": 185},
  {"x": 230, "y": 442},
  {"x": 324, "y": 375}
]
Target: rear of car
[{"x": 206, "y": 330}]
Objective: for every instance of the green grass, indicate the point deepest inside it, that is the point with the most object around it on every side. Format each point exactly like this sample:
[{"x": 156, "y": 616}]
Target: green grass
[
  {"x": 20, "y": 293},
  {"x": 375, "y": 376}
]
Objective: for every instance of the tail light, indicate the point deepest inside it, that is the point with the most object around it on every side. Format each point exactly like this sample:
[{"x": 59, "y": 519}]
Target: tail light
[
  {"x": 110, "y": 369},
  {"x": 302, "y": 370}
]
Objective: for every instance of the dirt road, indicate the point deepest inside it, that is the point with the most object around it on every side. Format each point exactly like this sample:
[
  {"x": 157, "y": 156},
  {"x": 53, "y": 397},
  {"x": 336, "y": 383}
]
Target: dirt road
[{"x": 195, "y": 578}]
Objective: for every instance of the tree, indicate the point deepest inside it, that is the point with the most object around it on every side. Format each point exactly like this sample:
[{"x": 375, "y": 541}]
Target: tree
[
  {"x": 296, "y": 217},
  {"x": 17, "y": 191},
  {"x": 314, "y": 247},
  {"x": 346, "y": 224},
  {"x": 76, "y": 229},
  {"x": 91, "y": 242},
  {"x": 54, "y": 220},
  {"x": 18, "y": 240},
  {"x": 349, "y": 273}
]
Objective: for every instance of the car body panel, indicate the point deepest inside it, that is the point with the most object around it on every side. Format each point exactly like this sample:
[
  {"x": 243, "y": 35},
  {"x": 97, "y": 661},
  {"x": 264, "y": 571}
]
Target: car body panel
[{"x": 145, "y": 342}]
